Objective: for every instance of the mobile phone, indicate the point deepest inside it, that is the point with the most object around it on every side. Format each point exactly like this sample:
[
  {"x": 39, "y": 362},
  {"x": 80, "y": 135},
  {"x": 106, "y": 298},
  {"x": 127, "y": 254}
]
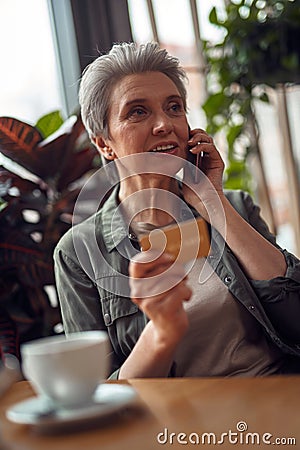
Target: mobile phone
[{"x": 196, "y": 160}]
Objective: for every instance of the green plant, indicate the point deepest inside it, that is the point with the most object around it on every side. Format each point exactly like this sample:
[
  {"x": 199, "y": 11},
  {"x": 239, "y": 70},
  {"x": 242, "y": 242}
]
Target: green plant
[
  {"x": 260, "y": 48},
  {"x": 40, "y": 179}
]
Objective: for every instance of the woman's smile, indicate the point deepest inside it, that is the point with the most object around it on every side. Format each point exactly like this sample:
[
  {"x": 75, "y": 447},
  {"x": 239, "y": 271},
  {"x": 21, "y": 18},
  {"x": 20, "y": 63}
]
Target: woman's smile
[{"x": 165, "y": 148}]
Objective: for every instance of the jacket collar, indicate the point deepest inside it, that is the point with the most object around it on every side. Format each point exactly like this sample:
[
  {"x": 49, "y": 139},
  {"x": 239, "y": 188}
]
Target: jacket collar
[{"x": 113, "y": 227}]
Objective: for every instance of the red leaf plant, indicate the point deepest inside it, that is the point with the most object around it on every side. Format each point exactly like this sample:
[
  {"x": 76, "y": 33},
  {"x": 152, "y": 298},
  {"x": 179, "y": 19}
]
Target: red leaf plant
[{"x": 40, "y": 179}]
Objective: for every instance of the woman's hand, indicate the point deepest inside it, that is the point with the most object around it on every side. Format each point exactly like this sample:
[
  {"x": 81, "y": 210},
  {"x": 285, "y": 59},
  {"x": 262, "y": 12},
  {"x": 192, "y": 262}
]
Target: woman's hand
[
  {"x": 158, "y": 287},
  {"x": 202, "y": 194},
  {"x": 259, "y": 259}
]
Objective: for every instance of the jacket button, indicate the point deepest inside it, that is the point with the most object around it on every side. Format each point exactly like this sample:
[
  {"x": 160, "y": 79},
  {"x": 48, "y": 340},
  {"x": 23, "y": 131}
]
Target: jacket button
[
  {"x": 107, "y": 319},
  {"x": 227, "y": 279},
  {"x": 252, "y": 308}
]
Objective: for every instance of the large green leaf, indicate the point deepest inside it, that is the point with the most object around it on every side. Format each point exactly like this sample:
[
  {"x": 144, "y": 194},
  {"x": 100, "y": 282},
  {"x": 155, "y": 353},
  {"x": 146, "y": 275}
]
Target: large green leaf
[
  {"x": 213, "y": 17},
  {"x": 233, "y": 133},
  {"x": 49, "y": 123},
  {"x": 216, "y": 103},
  {"x": 237, "y": 176}
]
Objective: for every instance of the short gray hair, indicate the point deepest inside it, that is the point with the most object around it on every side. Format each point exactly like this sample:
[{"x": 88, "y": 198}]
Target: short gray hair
[{"x": 99, "y": 78}]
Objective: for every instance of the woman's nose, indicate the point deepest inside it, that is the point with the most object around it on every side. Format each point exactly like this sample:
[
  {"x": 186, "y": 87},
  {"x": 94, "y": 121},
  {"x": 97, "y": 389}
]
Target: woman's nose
[{"x": 162, "y": 124}]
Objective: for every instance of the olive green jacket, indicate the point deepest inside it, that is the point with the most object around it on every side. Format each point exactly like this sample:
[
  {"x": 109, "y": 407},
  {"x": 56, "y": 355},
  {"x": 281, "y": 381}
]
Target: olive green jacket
[{"x": 91, "y": 269}]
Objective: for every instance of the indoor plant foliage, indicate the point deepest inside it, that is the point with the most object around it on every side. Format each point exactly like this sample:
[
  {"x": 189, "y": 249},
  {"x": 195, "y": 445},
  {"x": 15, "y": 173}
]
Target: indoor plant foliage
[
  {"x": 260, "y": 48},
  {"x": 37, "y": 195}
]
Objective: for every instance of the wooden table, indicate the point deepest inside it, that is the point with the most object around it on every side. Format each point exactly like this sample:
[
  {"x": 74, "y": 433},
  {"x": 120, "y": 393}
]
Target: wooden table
[{"x": 176, "y": 413}]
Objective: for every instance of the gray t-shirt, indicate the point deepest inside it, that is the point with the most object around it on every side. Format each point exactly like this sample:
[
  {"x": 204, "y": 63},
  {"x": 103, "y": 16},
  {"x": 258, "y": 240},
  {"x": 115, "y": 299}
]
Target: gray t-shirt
[{"x": 223, "y": 338}]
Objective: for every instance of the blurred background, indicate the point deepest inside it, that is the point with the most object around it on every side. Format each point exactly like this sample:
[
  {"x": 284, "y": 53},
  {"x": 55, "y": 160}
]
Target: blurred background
[{"x": 242, "y": 58}]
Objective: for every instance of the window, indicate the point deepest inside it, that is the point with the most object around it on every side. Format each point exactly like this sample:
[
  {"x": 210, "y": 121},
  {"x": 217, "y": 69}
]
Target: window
[
  {"x": 174, "y": 30},
  {"x": 29, "y": 76},
  {"x": 39, "y": 53}
]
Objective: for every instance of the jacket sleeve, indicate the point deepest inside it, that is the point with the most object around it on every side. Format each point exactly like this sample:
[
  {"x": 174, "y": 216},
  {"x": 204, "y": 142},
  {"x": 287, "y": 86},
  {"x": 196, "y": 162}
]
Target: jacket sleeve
[
  {"x": 280, "y": 296},
  {"x": 78, "y": 297}
]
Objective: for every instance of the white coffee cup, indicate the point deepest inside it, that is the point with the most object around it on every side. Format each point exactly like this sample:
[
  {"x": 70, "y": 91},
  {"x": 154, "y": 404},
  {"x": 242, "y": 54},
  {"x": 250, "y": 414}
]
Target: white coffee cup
[{"x": 67, "y": 370}]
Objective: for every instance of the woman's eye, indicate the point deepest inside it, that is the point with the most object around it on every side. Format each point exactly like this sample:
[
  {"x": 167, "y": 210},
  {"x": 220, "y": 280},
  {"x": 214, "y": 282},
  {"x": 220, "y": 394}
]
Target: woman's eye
[
  {"x": 176, "y": 108},
  {"x": 137, "y": 112}
]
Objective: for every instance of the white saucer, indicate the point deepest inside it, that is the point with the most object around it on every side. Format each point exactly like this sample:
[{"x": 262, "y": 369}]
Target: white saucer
[{"x": 108, "y": 399}]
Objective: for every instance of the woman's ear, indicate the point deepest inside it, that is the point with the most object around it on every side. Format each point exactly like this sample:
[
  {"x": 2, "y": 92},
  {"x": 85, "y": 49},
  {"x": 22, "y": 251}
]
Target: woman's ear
[{"x": 104, "y": 149}]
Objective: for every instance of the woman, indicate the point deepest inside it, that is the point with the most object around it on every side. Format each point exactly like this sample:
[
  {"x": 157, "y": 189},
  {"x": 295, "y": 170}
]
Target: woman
[{"x": 241, "y": 318}]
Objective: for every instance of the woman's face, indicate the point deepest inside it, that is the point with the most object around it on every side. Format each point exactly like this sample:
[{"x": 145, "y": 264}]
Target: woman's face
[{"x": 146, "y": 115}]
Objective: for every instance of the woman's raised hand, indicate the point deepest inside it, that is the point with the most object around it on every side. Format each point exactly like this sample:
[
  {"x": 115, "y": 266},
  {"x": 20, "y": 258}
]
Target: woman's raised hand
[
  {"x": 212, "y": 165},
  {"x": 158, "y": 286}
]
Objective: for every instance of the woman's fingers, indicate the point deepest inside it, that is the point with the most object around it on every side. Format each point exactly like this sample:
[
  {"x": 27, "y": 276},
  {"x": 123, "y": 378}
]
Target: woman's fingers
[
  {"x": 211, "y": 163},
  {"x": 151, "y": 276},
  {"x": 158, "y": 286},
  {"x": 201, "y": 142},
  {"x": 166, "y": 310},
  {"x": 151, "y": 261}
]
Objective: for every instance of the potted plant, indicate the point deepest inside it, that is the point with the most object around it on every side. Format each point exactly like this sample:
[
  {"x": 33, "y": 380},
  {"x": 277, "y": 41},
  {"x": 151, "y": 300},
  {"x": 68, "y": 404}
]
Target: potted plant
[
  {"x": 40, "y": 180},
  {"x": 260, "y": 48}
]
